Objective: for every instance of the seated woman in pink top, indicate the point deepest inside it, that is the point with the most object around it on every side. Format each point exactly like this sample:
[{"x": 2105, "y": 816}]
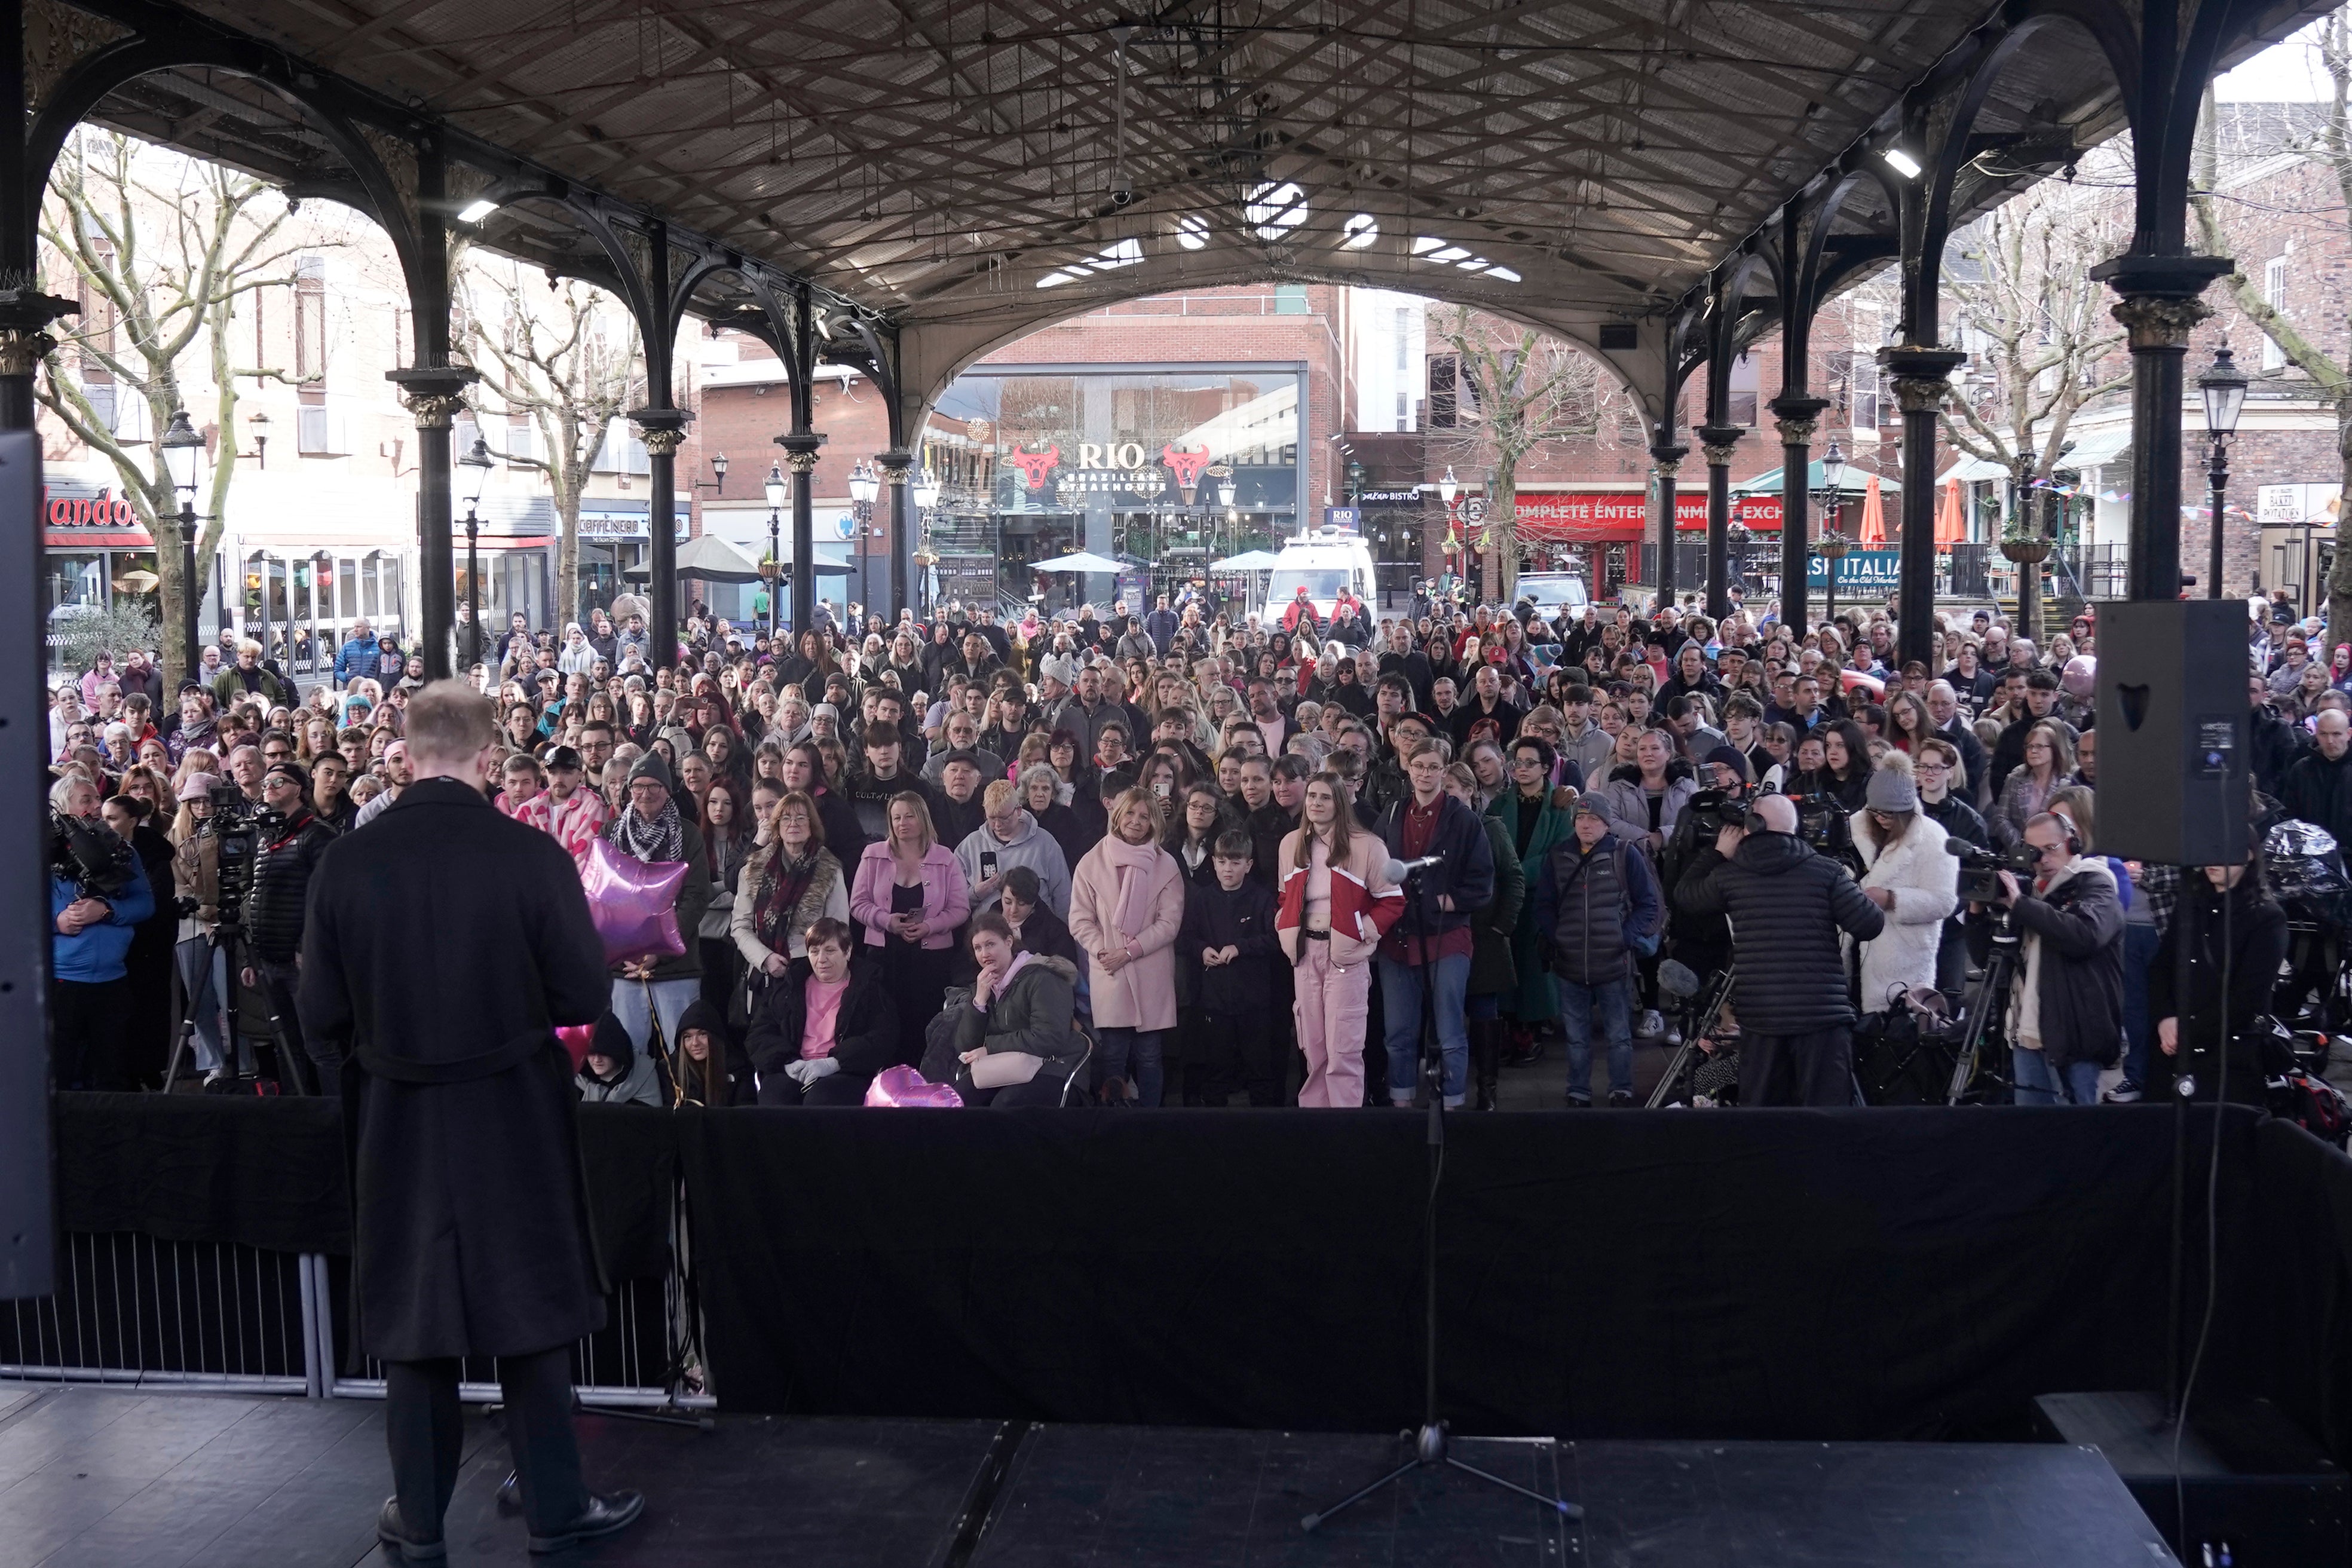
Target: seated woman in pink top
[
  {"x": 911, "y": 896},
  {"x": 821, "y": 1033}
]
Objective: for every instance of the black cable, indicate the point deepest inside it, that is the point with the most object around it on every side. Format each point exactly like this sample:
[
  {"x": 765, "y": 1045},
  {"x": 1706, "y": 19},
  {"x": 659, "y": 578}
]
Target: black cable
[{"x": 2213, "y": 1225}]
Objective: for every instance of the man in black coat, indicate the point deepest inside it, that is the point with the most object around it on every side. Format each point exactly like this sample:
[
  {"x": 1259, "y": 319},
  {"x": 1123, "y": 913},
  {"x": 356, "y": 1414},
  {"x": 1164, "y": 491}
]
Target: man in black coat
[
  {"x": 472, "y": 1225},
  {"x": 285, "y": 859},
  {"x": 1787, "y": 906},
  {"x": 2317, "y": 788}
]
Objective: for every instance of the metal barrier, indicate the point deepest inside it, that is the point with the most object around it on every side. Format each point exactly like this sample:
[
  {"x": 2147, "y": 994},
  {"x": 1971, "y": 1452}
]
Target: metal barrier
[{"x": 216, "y": 1317}]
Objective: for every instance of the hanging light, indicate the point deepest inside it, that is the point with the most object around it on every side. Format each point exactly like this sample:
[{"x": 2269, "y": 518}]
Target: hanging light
[
  {"x": 2224, "y": 386},
  {"x": 1225, "y": 490},
  {"x": 183, "y": 453},
  {"x": 863, "y": 485},
  {"x": 1833, "y": 469},
  {"x": 776, "y": 490},
  {"x": 927, "y": 489},
  {"x": 476, "y": 464},
  {"x": 1446, "y": 488}
]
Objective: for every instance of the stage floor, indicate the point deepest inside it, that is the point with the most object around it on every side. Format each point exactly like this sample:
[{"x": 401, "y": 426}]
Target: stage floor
[{"x": 93, "y": 1478}]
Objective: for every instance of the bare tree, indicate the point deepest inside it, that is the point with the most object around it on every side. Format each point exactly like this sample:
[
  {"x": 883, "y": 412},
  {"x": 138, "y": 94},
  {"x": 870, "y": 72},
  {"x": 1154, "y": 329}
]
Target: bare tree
[
  {"x": 161, "y": 246},
  {"x": 2329, "y": 146},
  {"x": 1520, "y": 389},
  {"x": 568, "y": 365},
  {"x": 2026, "y": 304}
]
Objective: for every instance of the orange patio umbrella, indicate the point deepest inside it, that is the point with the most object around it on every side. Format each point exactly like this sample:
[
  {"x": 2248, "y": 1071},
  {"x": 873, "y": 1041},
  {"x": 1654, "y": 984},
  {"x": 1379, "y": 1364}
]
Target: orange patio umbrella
[
  {"x": 1952, "y": 523},
  {"x": 1874, "y": 515}
]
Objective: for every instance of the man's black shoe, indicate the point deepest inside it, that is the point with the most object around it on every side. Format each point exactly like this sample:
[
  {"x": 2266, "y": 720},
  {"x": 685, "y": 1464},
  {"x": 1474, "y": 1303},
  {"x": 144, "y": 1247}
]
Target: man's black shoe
[
  {"x": 1580, "y": 1102},
  {"x": 405, "y": 1548},
  {"x": 1618, "y": 1096},
  {"x": 603, "y": 1516}
]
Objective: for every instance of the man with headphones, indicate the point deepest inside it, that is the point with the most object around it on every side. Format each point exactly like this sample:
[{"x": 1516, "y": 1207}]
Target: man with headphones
[{"x": 2066, "y": 1008}]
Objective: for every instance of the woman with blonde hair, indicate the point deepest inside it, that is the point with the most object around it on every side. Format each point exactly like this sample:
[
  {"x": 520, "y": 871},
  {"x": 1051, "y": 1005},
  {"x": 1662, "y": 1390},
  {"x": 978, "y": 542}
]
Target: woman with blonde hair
[
  {"x": 1127, "y": 904},
  {"x": 1336, "y": 901},
  {"x": 911, "y": 896}
]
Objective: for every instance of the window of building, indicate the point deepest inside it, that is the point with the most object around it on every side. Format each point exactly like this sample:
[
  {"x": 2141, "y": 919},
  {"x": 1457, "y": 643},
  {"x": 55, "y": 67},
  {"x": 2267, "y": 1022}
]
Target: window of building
[
  {"x": 2275, "y": 295},
  {"x": 1742, "y": 401},
  {"x": 1863, "y": 381},
  {"x": 1444, "y": 378},
  {"x": 310, "y": 319},
  {"x": 1290, "y": 299}
]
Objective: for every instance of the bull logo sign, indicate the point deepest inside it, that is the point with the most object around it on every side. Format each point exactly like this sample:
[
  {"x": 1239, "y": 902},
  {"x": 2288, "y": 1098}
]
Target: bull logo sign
[
  {"x": 1186, "y": 467},
  {"x": 1036, "y": 465}
]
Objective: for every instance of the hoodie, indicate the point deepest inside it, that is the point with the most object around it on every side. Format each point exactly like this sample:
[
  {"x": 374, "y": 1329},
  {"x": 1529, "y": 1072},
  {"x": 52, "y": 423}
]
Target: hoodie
[
  {"x": 633, "y": 1079},
  {"x": 1031, "y": 845}
]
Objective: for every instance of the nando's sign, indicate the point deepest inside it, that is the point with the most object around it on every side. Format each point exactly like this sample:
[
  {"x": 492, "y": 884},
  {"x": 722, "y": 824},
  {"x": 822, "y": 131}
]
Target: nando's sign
[{"x": 104, "y": 509}]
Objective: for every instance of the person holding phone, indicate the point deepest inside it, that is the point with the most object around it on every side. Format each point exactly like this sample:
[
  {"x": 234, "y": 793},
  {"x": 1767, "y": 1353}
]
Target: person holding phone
[{"x": 1009, "y": 837}]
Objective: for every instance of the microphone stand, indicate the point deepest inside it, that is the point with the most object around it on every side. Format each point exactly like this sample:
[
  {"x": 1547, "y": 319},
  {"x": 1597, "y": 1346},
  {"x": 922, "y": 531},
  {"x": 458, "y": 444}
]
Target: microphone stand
[{"x": 1430, "y": 1449}]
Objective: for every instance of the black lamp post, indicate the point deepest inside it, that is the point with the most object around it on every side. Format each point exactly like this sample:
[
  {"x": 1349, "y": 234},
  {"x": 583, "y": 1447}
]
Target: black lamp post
[
  {"x": 2224, "y": 386},
  {"x": 476, "y": 464},
  {"x": 719, "y": 471},
  {"x": 773, "y": 568},
  {"x": 183, "y": 452},
  {"x": 1833, "y": 544}
]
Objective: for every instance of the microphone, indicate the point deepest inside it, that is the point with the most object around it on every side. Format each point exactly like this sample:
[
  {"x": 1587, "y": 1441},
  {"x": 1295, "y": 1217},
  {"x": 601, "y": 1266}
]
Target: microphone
[
  {"x": 1958, "y": 849},
  {"x": 1397, "y": 870}
]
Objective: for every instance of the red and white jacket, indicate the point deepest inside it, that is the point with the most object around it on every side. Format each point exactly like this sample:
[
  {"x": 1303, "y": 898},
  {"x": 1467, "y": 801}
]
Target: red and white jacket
[{"x": 1364, "y": 902}]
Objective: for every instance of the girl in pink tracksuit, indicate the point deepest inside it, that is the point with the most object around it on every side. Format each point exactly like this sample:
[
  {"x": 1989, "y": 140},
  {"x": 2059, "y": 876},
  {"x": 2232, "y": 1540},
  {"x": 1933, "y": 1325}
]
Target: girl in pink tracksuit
[{"x": 1337, "y": 901}]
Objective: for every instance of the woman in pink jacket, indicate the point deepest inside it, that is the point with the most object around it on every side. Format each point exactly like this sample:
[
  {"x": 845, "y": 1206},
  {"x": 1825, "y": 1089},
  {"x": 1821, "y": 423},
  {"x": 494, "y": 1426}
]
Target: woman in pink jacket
[
  {"x": 910, "y": 895},
  {"x": 1337, "y": 901},
  {"x": 1127, "y": 901}
]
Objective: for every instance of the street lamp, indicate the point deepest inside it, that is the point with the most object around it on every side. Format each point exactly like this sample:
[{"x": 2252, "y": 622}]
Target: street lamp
[
  {"x": 772, "y": 568},
  {"x": 864, "y": 484},
  {"x": 1225, "y": 492},
  {"x": 718, "y": 468},
  {"x": 183, "y": 452},
  {"x": 2224, "y": 386},
  {"x": 260, "y": 423},
  {"x": 1833, "y": 544},
  {"x": 476, "y": 464},
  {"x": 926, "y": 490}
]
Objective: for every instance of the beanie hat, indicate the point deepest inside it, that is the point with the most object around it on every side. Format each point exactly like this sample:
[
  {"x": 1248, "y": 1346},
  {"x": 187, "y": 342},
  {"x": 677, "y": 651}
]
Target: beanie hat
[
  {"x": 1058, "y": 668},
  {"x": 1891, "y": 790},
  {"x": 1730, "y": 757},
  {"x": 195, "y": 786},
  {"x": 1590, "y": 805},
  {"x": 292, "y": 770},
  {"x": 651, "y": 767}
]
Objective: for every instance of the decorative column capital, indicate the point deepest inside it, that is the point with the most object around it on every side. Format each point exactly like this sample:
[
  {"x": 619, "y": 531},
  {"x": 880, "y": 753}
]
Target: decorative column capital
[
  {"x": 2159, "y": 321},
  {"x": 25, "y": 314},
  {"x": 799, "y": 449},
  {"x": 433, "y": 394},
  {"x": 1667, "y": 459},
  {"x": 1921, "y": 372},
  {"x": 893, "y": 464},
  {"x": 1798, "y": 432},
  {"x": 661, "y": 429},
  {"x": 1717, "y": 442},
  {"x": 1920, "y": 394}
]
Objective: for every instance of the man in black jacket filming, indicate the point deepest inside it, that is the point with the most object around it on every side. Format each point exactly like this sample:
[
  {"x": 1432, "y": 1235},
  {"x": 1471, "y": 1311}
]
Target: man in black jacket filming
[
  {"x": 1787, "y": 905},
  {"x": 287, "y": 851}
]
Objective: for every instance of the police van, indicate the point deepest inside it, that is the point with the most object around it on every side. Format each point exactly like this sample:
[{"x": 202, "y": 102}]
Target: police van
[{"x": 1323, "y": 561}]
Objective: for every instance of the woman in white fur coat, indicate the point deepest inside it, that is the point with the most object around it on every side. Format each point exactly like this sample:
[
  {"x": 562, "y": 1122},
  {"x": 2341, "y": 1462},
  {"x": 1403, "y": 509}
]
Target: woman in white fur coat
[{"x": 1908, "y": 875}]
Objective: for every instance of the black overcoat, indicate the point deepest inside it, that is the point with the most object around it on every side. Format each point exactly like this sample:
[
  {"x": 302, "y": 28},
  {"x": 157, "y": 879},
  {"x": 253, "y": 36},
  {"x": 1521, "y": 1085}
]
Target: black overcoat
[{"x": 444, "y": 943}]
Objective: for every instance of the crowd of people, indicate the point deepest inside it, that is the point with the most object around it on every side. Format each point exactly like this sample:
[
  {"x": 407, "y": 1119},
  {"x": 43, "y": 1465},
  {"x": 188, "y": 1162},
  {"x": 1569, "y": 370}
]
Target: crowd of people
[{"x": 1191, "y": 857}]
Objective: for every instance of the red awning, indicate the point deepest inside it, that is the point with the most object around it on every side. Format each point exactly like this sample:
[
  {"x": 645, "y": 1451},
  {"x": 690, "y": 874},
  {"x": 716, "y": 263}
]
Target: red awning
[{"x": 96, "y": 539}]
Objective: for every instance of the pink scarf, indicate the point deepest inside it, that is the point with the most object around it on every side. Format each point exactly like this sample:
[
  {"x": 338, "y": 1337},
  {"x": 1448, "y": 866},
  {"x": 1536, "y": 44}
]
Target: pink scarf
[{"x": 1137, "y": 867}]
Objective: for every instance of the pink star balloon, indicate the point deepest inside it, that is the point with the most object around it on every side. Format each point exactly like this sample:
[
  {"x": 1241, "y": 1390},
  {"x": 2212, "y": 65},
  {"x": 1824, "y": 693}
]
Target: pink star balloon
[
  {"x": 634, "y": 903},
  {"x": 903, "y": 1085}
]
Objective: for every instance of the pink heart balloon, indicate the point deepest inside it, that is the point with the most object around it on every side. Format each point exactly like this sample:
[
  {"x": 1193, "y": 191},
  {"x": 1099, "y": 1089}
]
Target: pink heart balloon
[
  {"x": 576, "y": 1039},
  {"x": 634, "y": 903},
  {"x": 902, "y": 1085}
]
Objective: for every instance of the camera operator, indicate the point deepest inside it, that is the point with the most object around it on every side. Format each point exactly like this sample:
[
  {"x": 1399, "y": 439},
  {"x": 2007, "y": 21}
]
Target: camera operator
[
  {"x": 292, "y": 837},
  {"x": 1702, "y": 941},
  {"x": 1787, "y": 905},
  {"x": 2226, "y": 920},
  {"x": 2067, "y": 1011},
  {"x": 90, "y": 986}
]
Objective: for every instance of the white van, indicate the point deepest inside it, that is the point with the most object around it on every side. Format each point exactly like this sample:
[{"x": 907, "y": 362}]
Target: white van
[{"x": 1325, "y": 562}]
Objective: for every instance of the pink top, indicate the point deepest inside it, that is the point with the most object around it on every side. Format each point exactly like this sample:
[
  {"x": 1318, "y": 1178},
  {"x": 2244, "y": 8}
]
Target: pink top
[{"x": 824, "y": 1015}]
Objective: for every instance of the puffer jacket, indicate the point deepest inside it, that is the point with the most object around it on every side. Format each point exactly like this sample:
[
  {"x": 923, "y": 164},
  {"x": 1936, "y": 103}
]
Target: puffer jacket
[
  {"x": 1035, "y": 1013},
  {"x": 282, "y": 885},
  {"x": 1590, "y": 904},
  {"x": 1787, "y": 906},
  {"x": 1925, "y": 882}
]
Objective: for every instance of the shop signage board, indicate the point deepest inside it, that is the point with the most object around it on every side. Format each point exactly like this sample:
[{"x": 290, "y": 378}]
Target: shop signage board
[
  {"x": 1878, "y": 570},
  {"x": 1615, "y": 516}
]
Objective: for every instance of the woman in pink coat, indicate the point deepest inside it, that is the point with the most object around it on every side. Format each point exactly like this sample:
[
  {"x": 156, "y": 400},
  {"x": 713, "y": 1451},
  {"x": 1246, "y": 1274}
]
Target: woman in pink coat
[
  {"x": 910, "y": 895},
  {"x": 1336, "y": 901},
  {"x": 1127, "y": 901}
]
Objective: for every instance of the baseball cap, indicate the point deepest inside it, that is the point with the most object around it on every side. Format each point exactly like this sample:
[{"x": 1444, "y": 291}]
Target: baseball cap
[{"x": 566, "y": 757}]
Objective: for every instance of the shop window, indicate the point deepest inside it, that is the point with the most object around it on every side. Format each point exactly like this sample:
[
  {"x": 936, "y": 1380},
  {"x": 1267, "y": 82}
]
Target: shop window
[
  {"x": 371, "y": 580},
  {"x": 392, "y": 592},
  {"x": 1290, "y": 299}
]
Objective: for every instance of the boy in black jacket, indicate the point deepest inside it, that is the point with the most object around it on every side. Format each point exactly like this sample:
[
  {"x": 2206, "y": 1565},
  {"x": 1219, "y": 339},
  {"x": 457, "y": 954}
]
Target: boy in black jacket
[{"x": 1228, "y": 937}]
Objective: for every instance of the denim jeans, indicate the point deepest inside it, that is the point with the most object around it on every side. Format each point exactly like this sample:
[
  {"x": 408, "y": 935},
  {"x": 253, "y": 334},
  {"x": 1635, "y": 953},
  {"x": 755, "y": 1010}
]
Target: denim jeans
[
  {"x": 2039, "y": 1084},
  {"x": 671, "y": 999},
  {"x": 1401, "y": 1011},
  {"x": 1613, "y": 1002},
  {"x": 204, "y": 977},
  {"x": 2140, "y": 942},
  {"x": 1133, "y": 1053}
]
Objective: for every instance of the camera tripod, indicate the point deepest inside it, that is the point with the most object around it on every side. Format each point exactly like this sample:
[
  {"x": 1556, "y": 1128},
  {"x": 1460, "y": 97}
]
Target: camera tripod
[
  {"x": 1430, "y": 1441},
  {"x": 1697, "y": 1021},
  {"x": 1988, "y": 1002}
]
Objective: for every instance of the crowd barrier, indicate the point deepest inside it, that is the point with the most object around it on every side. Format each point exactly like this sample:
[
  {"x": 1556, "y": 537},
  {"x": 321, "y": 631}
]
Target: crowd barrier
[{"x": 1863, "y": 1274}]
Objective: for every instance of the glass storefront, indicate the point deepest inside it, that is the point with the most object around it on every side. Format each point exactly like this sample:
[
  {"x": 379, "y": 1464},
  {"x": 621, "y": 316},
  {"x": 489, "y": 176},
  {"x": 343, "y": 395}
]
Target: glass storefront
[{"x": 1164, "y": 468}]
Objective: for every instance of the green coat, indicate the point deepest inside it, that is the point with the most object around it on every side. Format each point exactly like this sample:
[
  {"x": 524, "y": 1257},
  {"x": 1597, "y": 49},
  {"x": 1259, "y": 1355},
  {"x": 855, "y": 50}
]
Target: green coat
[
  {"x": 1533, "y": 1000},
  {"x": 1496, "y": 927}
]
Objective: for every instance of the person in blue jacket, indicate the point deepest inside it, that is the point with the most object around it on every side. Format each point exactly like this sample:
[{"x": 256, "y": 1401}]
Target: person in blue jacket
[{"x": 90, "y": 986}]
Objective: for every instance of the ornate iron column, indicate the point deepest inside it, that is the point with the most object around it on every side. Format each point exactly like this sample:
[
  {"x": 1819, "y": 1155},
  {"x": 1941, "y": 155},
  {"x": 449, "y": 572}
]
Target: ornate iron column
[
  {"x": 1921, "y": 376},
  {"x": 799, "y": 457},
  {"x": 1717, "y": 442},
  {"x": 1799, "y": 419},
  {"x": 895, "y": 464},
  {"x": 434, "y": 394},
  {"x": 2158, "y": 309},
  {"x": 661, "y": 429},
  {"x": 1667, "y": 458}
]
